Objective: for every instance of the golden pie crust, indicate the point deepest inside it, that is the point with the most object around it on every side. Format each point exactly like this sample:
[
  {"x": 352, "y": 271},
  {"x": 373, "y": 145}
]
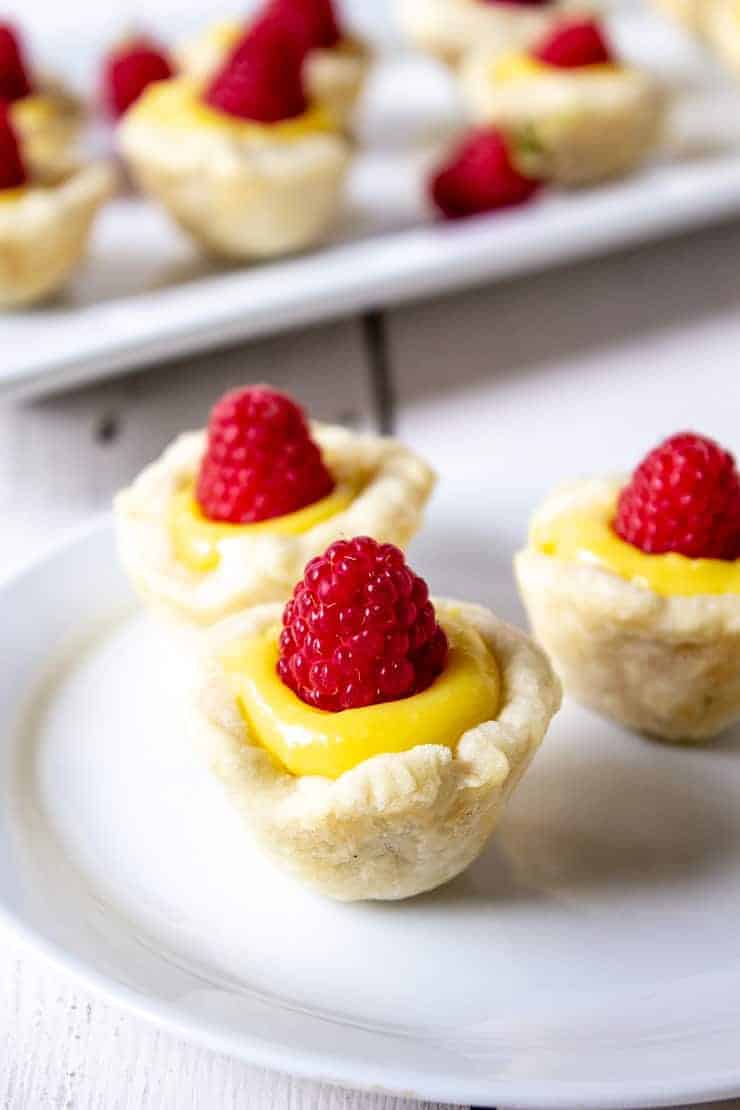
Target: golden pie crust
[
  {"x": 239, "y": 197},
  {"x": 395, "y": 825},
  {"x": 44, "y": 233},
  {"x": 48, "y": 123},
  {"x": 395, "y": 485},
  {"x": 666, "y": 666}
]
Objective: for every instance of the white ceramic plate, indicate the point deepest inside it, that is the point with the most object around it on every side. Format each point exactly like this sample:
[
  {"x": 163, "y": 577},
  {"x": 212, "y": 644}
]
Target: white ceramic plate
[
  {"x": 589, "y": 959},
  {"x": 145, "y": 295}
]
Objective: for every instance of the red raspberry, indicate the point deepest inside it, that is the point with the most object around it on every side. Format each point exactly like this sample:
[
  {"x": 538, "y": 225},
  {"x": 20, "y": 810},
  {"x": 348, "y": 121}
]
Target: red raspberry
[
  {"x": 12, "y": 170},
  {"x": 574, "y": 44},
  {"x": 262, "y": 79},
  {"x": 14, "y": 80},
  {"x": 260, "y": 461},
  {"x": 684, "y": 497},
  {"x": 480, "y": 177},
  {"x": 360, "y": 629},
  {"x": 129, "y": 70},
  {"x": 315, "y": 21}
]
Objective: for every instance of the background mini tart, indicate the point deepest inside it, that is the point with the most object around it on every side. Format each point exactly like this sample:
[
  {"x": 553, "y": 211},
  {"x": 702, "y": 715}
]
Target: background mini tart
[
  {"x": 650, "y": 640},
  {"x": 44, "y": 232},
  {"x": 574, "y": 125},
  {"x": 451, "y": 28},
  {"x": 257, "y": 563},
  {"x": 397, "y": 823},
  {"x": 243, "y": 190}
]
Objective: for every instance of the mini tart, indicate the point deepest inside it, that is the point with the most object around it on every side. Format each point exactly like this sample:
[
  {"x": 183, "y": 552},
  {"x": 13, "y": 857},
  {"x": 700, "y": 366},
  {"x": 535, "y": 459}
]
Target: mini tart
[
  {"x": 44, "y": 232},
  {"x": 720, "y": 24},
  {"x": 395, "y": 825},
  {"x": 242, "y": 190},
  {"x": 450, "y": 28},
  {"x": 335, "y": 77},
  {"x": 572, "y": 126},
  {"x": 257, "y": 565},
  {"x": 667, "y": 663},
  {"x": 48, "y": 123},
  {"x": 688, "y": 12},
  {"x": 716, "y": 22}
]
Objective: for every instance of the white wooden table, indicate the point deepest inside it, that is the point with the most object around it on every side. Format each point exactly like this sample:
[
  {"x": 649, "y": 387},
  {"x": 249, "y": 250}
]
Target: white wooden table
[{"x": 420, "y": 370}]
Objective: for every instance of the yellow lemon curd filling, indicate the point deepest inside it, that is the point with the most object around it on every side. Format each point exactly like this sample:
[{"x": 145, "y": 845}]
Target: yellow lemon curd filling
[
  {"x": 519, "y": 67},
  {"x": 176, "y": 103},
  {"x": 9, "y": 196},
  {"x": 587, "y": 536},
  {"x": 34, "y": 110},
  {"x": 196, "y": 540},
  {"x": 309, "y": 741}
]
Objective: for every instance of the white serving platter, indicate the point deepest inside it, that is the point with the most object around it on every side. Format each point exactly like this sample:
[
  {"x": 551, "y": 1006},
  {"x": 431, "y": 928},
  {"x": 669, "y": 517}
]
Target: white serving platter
[
  {"x": 588, "y": 959},
  {"x": 145, "y": 295}
]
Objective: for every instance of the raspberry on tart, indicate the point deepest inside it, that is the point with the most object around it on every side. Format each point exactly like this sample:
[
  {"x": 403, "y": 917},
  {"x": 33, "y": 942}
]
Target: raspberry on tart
[
  {"x": 46, "y": 116},
  {"x": 247, "y": 164},
  {"x": 262, "y": 79},
  {"x": 634, "y": 589},
  {"x": 336, "y": 63},
  {"x": 360, "y": 629},
  {"x": 131, "y": 68},
  {"x": 230, "y": 515},
  {"x": 12, "y": 170},
  {"x": 373, "y": 736},
  {"x": 480, "y": 177},
  {"x": 316, "y": 22},
  {"x": 15, "y": 81},
  {"x": 683, "y": 497},
  {"x": 260, "y": 460},
  {"x": 572, "y": 45},
  {"x": 579, "y": 114}
]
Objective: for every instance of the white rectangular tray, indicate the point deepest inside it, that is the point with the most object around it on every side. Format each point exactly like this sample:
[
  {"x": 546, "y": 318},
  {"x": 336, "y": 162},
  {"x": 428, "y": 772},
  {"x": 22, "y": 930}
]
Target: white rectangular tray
[{"x": 145, "y": 295}]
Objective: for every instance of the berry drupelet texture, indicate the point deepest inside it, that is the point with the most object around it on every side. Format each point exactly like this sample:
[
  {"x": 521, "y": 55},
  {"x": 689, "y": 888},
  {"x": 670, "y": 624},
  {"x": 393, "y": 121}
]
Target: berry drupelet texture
[
  {"x": 360, "y": 629},
  {"x": 260, "y": 461},
  {"x": 683, "y": 497}
]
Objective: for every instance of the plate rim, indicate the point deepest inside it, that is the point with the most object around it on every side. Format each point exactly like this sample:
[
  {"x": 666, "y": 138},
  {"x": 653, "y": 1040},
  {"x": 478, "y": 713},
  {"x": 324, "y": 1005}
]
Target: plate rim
[{"x": 318, "y": 1066}]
